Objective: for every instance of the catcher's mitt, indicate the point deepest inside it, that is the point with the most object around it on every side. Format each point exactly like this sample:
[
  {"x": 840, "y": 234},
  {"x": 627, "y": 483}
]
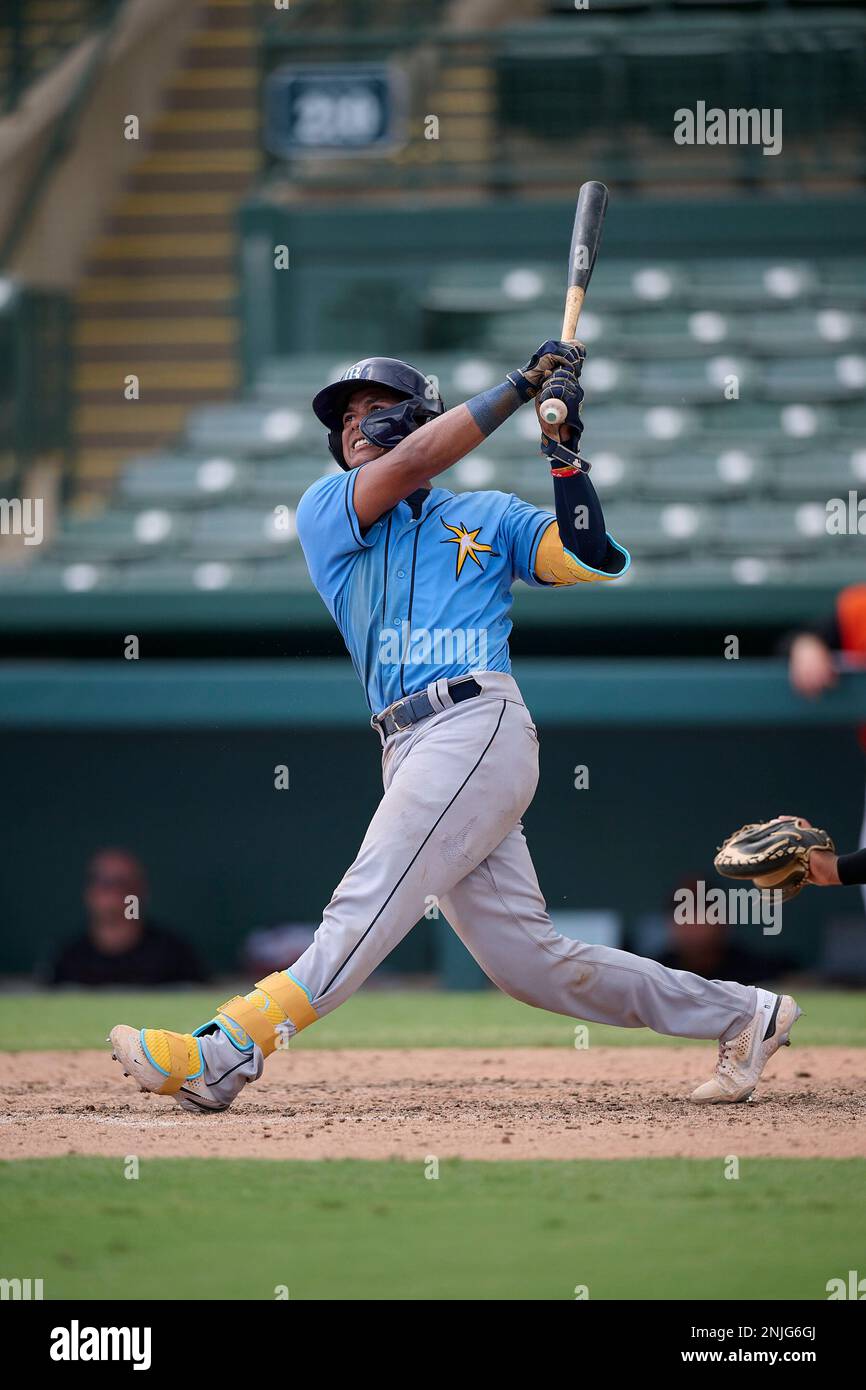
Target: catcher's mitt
[{"x": 774, "y": 854}]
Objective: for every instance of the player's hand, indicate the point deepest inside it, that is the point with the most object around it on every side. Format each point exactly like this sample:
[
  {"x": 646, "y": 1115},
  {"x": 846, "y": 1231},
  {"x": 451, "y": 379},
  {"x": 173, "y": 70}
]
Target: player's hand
[
  {"x": 552, "y": 354},
  {"x": 823, "y": 863},
  {"x": 810, "y": 666},
  {"x": 562, "y": 385}
]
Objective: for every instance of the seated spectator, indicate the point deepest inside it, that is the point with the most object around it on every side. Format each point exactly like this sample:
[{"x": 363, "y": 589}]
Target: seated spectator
[
  {"x": 709, "y": 949},
  {"x": 121, "y": 945}
]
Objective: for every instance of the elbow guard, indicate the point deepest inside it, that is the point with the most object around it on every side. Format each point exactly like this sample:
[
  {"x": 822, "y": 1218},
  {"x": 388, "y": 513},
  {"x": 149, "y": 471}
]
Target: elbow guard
[{"x": 554, "y": 564}]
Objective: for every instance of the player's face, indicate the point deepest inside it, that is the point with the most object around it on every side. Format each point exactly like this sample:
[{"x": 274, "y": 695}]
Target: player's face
[{"x": 356, "y": 449}]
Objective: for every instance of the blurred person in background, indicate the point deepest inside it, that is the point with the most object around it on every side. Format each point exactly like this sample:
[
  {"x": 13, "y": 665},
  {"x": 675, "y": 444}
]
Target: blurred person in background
[
  {"x": 121, "y": 945},
  {"x": 814, "y": 654},
  {"x": 711, "y": 950}
]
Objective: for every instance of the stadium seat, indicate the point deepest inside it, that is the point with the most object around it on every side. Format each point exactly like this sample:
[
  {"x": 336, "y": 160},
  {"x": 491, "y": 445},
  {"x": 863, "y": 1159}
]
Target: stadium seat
[
  {"x": 751, "y": 283},
  {"x": 118, "y": 534},
  {"x": 768, "y": 528},
  {"x": 752, "y": 422},
  {"x": 286, "y": 572},
  {"x": 605, "y": 378},
  {"x": 694, "y": 476},
  {"x": 290, "y": 379},
  {"x": 210, "y": 575},
  {"x": 819, "y": 472},
  {"x": 652, "y": 428},
  {"x": 676, "y": 332},
  {"x": 849, "y": 419},
  {"x": 487, "y": 286},
  {"x": 250, "y": 428},
  {"x": 702, "y": 571},
  {"x": 843, "y": 281},
  {"x": 810, "y": 378},
  {"x": 228, "y": 533},
  {"x": 181, "y": 480},
  {"x": 620, "y": 284},
  {"x": 513, "y": 335},
  {"x": 274, "y": 480},
  {"x": 457, "y": 376},
  {"x": 653, "y": 529},
  {"x": 702, "y": 380},
  {"x": 805, "y": 332},
  {"x": 49, "y": 576}
]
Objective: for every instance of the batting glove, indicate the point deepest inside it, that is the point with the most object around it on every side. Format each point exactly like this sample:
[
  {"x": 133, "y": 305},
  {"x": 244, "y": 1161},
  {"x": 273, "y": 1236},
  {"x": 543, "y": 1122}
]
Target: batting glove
[{"x": 528, "y": 380}]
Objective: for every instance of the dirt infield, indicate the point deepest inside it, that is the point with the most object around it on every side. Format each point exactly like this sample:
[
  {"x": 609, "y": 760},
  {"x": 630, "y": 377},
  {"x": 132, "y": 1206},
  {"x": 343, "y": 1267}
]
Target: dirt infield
[{"x": 485, "y": 1103}]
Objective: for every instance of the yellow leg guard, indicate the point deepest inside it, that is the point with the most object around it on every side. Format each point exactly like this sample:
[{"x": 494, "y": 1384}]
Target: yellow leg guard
[
  {"x": 290, "y": 997},
  {"x": 276, "y": 999},
  {"x": 176, "y": 1054}
]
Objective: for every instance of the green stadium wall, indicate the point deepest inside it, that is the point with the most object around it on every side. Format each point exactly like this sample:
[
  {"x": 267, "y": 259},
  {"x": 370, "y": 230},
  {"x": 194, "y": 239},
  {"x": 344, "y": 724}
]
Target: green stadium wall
[{"x": 180, "y": 769}]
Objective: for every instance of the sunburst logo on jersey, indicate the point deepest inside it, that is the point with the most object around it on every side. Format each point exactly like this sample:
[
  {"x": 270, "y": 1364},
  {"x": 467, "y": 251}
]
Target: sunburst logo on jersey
[{"x": 467, "y": 544}]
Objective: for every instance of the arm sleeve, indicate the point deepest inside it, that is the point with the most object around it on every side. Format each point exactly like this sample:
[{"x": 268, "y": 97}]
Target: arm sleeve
[
  {"x": 580, "y": 519},
  {"x": 851, "y": 868},
  {"x": 579, "y": 549},
  {"x": 328, "y": 527}
]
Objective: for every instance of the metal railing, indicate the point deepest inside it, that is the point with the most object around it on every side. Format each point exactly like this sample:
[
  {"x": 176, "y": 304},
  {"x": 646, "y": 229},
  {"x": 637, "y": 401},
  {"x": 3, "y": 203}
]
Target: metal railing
[
  {"x": 36, "y": 34},
  {"x": 63, "y": 130}
]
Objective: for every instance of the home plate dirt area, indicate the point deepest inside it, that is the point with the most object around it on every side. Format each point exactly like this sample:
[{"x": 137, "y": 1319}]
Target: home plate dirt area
[{"x": 469, "y": 1103}]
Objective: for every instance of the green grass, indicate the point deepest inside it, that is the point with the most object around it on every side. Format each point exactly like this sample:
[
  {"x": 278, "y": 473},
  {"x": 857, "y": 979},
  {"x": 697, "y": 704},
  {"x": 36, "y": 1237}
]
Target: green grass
[
  {"x": 636, "y": 1229},
  {"x": 375, "y": 1018}
]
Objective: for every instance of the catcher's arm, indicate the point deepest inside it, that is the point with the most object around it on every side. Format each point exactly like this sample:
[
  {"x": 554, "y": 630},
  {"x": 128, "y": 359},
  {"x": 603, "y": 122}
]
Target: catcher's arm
[
  {"x": 826, "y": 868},
  {"x": 830, "y": 870}
]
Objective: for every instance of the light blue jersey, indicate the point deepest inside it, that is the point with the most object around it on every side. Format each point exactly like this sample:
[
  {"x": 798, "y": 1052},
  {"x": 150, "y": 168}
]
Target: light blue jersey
[{"x": 418, "y": 600}]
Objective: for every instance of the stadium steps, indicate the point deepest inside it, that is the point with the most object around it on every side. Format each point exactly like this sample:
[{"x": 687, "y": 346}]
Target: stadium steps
[
  {"x": 465, "y": 102},
  {"x": 158, "y": 297}
]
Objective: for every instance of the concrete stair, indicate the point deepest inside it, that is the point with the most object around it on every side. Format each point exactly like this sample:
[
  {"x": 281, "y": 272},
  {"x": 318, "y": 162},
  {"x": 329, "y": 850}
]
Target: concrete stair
[{"x": 158, "y": 299}]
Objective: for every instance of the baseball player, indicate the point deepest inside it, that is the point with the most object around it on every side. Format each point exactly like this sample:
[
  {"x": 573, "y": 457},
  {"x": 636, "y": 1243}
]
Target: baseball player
[{"x": 419, "y": 581}]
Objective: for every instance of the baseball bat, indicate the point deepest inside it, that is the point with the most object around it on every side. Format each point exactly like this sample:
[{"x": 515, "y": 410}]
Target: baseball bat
[{"x": 585, "y": 239}]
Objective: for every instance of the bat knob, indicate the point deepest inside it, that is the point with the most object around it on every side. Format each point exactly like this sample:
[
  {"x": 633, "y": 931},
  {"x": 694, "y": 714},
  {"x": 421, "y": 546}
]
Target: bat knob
[{"x": 554, "y": 412}]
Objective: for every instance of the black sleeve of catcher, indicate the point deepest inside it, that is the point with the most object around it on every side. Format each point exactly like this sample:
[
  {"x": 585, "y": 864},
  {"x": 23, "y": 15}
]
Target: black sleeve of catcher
[
  {"x": 580, "y": 519},
  {"x": 851, "y": 868}
]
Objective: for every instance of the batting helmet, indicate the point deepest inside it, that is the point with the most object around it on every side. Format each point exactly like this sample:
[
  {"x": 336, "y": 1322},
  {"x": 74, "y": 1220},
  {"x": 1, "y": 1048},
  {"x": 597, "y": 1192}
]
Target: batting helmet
[{"x": 419, "y": 402}]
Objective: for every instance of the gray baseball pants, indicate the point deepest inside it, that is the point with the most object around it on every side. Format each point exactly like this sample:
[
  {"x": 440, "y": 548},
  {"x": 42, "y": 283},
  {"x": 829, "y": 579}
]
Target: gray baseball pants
[{"x": 447, "y": 832}]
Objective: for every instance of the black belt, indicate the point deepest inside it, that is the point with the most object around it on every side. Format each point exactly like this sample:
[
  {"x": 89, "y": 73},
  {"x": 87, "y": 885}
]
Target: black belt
[{"x": 404, "y": 713}]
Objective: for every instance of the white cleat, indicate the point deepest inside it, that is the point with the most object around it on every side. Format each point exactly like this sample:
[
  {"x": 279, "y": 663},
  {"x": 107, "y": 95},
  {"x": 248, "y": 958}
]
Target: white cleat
[
  {"x": 188, "y": 1088},
  {"x": 742, "y": 1060}
]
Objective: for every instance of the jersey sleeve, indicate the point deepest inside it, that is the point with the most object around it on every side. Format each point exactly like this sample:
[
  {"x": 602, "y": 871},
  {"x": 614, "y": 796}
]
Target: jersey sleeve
[
  {"x": 522, "y": 527},
  {"x": 329, "y": 529}
]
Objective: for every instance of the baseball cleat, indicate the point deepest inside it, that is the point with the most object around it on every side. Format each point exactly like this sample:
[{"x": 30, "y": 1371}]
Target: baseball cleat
[
  {"x": 165, "y": 1063},
  {"x": 743, "y": 1058}
]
